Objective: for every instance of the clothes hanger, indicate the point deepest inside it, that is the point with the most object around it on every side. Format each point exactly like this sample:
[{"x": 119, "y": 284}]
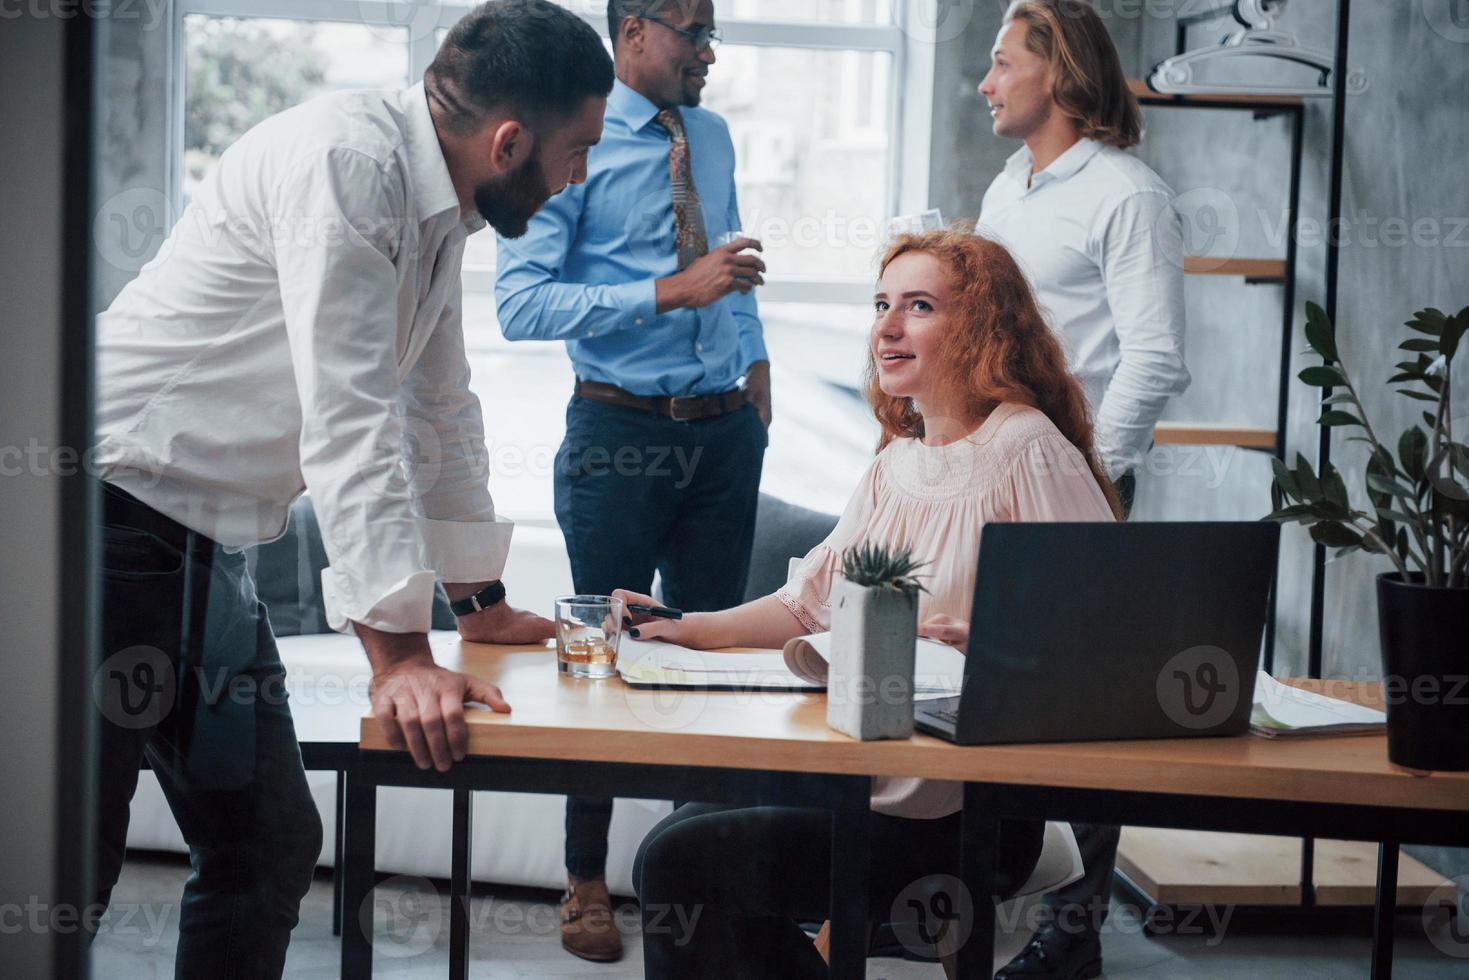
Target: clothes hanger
[{"x": 1242, "y": 61}]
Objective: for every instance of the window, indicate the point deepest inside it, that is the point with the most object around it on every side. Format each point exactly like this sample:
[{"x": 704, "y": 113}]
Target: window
[
  {"x": 238, "y": 71},
  {"x": 828, "y": 104}
]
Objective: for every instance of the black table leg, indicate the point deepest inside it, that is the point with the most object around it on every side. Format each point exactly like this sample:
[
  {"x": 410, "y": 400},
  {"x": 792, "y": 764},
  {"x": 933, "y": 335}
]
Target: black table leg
[
  {"x": 978, "y": 842},
  {"x": 847, "y": 953},
  {"x": 339, "y": 849},
  {"x": 459, "y": 886},
  {"x": 1387, "y": 907},
  {"x": 358, "y": 868}
]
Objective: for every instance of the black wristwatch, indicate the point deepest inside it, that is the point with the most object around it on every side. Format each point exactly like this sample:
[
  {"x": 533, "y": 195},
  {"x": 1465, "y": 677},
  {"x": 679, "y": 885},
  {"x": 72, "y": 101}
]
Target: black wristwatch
[{"x": 483, "y": 599}]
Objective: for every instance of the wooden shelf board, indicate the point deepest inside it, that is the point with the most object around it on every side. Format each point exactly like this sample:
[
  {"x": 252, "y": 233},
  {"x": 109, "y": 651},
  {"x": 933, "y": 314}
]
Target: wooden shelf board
[
  {"x": 1213, "y": 434},
  {"x": 1147, "y": 96},
  {"x": 1264, "y": 270},
  {"x": 1185, "y": 867}
]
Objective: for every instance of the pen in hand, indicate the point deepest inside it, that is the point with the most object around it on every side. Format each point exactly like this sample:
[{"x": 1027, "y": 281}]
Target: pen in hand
[{"x": 662, "y": 612}]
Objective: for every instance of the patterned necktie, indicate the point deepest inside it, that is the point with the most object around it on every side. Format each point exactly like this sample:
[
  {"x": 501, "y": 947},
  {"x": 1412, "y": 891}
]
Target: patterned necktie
[{"x": 688, "y": 215}]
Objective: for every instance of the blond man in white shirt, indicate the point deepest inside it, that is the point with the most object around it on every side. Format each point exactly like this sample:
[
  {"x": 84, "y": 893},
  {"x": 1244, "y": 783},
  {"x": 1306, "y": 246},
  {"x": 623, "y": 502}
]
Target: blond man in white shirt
[
  {"x": 1095, "y": 230},
  {"x": 1093, "y": 226},
  {"x": 300, "y": 330}
]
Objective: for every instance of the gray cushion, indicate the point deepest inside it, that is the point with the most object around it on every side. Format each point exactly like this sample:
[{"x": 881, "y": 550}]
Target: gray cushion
[
  {"x": 782, "y": 531},
  {"x": 288, "y": 578}
]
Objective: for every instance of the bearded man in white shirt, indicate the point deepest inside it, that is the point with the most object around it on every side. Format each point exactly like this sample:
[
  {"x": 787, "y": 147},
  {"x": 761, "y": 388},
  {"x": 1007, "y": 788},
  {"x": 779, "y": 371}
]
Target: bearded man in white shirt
[
  {"x": 1095, "y": 230},
  {"x": 300, "y": 330}
]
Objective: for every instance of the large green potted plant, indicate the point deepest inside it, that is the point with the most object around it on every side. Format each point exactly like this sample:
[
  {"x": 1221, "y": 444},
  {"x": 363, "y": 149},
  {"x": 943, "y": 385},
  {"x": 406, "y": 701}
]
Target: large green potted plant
[{"x": 1418, "y": 518}]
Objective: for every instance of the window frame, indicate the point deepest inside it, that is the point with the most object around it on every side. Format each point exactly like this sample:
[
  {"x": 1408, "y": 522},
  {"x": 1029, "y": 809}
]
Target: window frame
[{"x": 909, "y": 110}]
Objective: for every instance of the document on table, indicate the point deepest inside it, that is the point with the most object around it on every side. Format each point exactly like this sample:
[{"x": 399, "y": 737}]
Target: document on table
[
  {"x": 1281, "y": 710},
  {"x": 653, "y": 663},
  {"x": 939, "y": 671}
]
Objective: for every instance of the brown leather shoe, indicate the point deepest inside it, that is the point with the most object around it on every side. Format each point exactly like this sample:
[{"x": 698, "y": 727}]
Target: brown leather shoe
[{"x": 587, "y": 927}]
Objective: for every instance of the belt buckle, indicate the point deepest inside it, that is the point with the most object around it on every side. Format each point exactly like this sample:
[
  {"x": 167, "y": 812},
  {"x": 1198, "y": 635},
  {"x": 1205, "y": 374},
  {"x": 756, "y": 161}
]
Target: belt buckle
[{"x": 673, "y": 404}]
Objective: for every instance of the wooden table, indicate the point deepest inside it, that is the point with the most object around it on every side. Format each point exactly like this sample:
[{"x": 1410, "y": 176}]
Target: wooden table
[{"x": 604, "y": 738}]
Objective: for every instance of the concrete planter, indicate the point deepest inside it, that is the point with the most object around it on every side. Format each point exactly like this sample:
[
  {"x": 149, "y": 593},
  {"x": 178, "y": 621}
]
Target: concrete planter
[{"x": 874, "y": 633}]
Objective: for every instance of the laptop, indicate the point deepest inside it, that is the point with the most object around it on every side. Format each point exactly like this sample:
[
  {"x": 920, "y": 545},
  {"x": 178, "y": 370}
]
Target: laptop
[{"x": 1098, "y": 631}]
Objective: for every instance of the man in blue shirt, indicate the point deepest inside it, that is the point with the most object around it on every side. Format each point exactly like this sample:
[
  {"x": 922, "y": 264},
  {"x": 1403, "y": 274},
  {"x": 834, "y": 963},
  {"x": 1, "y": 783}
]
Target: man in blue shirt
[{"x": 660, "y": 467}]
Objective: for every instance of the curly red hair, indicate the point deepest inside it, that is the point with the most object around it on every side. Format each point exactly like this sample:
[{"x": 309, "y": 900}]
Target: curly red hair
[{"x": 1000, "y": 348}]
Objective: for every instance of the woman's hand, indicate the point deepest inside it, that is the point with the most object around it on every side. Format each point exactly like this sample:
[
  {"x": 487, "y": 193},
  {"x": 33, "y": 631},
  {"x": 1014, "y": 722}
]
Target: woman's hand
[
  {"x": 642, "y": 626},
  {"x": 947, "y": 629}
]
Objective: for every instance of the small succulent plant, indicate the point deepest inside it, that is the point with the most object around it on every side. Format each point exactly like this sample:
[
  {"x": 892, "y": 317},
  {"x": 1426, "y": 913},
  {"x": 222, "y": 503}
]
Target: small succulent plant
[{"x": 878, "y": 567}]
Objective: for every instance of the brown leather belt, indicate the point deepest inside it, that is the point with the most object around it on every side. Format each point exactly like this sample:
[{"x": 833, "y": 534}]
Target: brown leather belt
[{"x": 683, "y": 408}]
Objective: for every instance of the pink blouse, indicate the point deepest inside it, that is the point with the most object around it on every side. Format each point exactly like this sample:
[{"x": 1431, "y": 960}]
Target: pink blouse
[{"x": 1017, "y": 466}]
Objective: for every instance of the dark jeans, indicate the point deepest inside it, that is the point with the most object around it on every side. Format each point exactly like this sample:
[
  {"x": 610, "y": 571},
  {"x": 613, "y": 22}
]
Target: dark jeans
[
  {"x": 192, "y": 680},
  {"x": 638, "y": 493},
  {"x": 723, "y": 888}
]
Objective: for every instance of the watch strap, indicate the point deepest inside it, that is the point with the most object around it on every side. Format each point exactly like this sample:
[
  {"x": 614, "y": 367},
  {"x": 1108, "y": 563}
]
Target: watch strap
[{"x": 483, "y": 599}]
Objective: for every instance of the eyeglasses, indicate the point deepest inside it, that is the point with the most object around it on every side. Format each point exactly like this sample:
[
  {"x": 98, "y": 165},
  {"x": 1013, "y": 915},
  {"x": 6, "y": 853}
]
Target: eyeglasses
[{"x": 704, "y": 37}]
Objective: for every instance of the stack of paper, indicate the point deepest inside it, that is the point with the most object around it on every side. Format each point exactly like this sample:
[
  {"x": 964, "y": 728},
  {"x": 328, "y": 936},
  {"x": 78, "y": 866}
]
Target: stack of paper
[{"x": 1281, "y": 710}]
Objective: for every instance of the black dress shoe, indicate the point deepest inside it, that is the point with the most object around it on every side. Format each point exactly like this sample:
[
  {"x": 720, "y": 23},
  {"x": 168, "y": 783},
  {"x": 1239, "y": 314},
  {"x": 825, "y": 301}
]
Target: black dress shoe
[{"x": 1054, "y": 954}]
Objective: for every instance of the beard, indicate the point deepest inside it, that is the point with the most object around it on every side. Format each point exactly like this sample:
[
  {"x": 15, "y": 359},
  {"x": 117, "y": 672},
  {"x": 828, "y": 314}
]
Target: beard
[{"x": 510, "y": 201}]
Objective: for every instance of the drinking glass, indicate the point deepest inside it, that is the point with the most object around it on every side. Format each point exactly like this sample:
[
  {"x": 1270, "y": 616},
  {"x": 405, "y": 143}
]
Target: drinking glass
[{"x": 588, "y": 629}]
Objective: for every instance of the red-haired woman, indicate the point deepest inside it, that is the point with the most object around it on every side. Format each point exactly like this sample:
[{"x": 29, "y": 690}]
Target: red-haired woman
[{"x": 981, "y": 421}]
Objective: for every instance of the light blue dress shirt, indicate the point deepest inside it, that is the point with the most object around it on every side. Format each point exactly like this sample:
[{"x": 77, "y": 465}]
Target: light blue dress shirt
[{"x": 585, "y": 271}]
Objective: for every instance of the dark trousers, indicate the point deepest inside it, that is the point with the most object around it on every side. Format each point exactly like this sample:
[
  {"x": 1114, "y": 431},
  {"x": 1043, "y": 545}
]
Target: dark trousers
[
  {"x": 1082, "y": 905},
  {"x": 638, "y": 493},
  {"x": 722, "y": 889},
  {"x": 192, "y": 680}
]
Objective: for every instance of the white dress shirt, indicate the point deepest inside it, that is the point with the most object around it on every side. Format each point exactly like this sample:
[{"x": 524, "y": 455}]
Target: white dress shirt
[
  {"x": 301, "y": 329},
  {"x": 1098, "y": 237}
]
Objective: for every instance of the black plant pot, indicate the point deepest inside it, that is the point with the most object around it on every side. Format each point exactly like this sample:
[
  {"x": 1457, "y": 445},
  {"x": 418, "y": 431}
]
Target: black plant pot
[{"x": 1425, "y": 663}]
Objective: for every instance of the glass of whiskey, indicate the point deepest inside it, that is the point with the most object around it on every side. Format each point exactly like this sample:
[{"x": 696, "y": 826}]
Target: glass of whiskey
[{"x": 588, "y": 628}]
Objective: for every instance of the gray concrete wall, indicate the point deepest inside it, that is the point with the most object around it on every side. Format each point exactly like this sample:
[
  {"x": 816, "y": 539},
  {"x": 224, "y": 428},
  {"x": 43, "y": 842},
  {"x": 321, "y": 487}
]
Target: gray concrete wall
[{"x": 1407, "y": 135}]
